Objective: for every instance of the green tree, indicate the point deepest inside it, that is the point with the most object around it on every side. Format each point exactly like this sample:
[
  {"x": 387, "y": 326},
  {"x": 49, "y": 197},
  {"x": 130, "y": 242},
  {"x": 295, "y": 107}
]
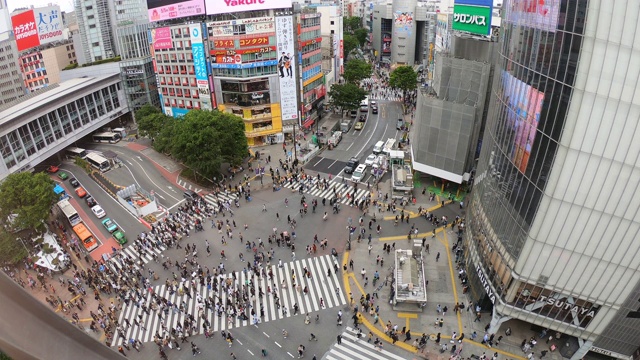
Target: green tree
[
  {"x": 404, "y": 78},
  {"x": 11, "y": 250},
  {"x": 145, "y": 110},
  {"x": 203, "y": 140},
  {"x": 347, "y": 96},
  {"x": 152, "y": 124},
  {"x": 356, "y": 70},
  {"x": 351, "y": 24},
  {"x": 350, "y": 43},
  {"x": 361, "y": 35},
  {"x": 29, "y": 196}
]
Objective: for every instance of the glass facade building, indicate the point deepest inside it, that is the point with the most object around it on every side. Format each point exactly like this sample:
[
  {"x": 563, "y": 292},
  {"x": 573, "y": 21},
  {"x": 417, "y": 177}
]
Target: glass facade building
[{"x": 553, "y": 215}]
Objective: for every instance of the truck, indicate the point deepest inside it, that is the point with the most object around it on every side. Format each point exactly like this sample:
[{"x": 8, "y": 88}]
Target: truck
[
  {"x": 335, "y": 138},
  {"x": 346, "y": 124}
]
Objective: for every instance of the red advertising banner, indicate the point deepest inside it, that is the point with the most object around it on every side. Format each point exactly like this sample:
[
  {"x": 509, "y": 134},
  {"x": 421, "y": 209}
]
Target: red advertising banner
[
  {"x": 263, "y": 49},
  {"x": 341, "y": 49},
  {"x": 25, "y": 30},
  {"x": 256, "y": 41},
  {"x": 227, "y": 59},
  {"x": 312, "y": 41},
  {"x": 224, "y": 43}
]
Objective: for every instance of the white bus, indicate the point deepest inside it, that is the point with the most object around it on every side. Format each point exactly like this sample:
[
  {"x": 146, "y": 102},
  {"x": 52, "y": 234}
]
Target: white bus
[
  {"x": 69, "y": 212},
  {"x": 109, "y": 137},
  {"x": 364, "y": 104},
  {"x": 98, "y": 162},
  {"x": 74, "y": 152}
]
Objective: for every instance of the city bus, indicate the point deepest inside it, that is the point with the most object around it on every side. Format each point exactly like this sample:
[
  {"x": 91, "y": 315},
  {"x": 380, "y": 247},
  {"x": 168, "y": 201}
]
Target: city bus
[
  {"x": 109, "y": 137},
  {"x": 69, "y": 212},
  {"x": 85, "y": 236},
  {"x": 98, "y": 162},
  {"x": 74, "y": 152}
]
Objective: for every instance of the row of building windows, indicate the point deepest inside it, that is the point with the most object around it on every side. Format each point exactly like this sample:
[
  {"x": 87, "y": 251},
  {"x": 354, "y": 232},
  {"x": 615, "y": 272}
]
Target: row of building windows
[
  {"x": 182, "y": 104},
  {"x": 316, "y": 58},
  {"x": 25, "y": 141},
  {"x": 256, "y": 71},
  {"x": 173, "y": 58},
  {"x": 31, "y": 58},
  {"x": 176, "y": 69},
  {"x": 309, "y": 22},
  {"x": 36, "y": 74},
  {"x": 311, "y": 47},
  {"x": 180, "y": 92},
  {"x": 310, "y": 35}
]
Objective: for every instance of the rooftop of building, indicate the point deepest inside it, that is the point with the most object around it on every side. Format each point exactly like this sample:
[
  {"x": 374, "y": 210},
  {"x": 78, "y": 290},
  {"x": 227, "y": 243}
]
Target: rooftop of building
[{"x": 47, "y": 95}]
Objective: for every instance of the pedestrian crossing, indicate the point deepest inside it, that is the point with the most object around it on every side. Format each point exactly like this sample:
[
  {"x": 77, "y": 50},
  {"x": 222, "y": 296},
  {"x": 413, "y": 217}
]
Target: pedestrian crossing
[
  {"x": 223, "y": 197},
  {"x": 325, "y": 291},
  {"x": 382, "y": 97},
  {"x": 352, "y": 348},
  {"x": 116, "y": 262},
  {"x": 341, "y": 189}
]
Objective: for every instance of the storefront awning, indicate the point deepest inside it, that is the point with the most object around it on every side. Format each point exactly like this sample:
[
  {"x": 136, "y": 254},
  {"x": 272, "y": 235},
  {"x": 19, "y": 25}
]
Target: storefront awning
[{"x": 307, "y": 124}]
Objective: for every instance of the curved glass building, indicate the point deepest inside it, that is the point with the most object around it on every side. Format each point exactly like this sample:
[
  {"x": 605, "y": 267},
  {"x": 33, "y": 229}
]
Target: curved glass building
[{"x": 553, "y": 221}]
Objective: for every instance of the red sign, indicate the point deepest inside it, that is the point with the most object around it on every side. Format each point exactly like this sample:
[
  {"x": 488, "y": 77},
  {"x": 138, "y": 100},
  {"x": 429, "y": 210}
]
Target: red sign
[
  {"x": 263, "y": 49},
  {"x": 312, "y": 41},
  {"x": 341, "y": 49},
  {"x": 25, "y": 30},
  {"x": 228, "y": 59},
  {"x": 224, "y": 43},
  {"x": 256, "y": 41}
]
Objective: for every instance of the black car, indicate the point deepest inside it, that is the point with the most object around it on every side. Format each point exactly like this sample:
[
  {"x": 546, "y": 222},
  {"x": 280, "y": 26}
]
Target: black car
[
  {"x": 74, "y": 182},
  {"x": 91, "y": 202},
  {"x": 191, "y": 195},
  {"x": 362, "y": 118},
  {"x": 374, "y": 109},
  {"x": 352, "y": 164}
]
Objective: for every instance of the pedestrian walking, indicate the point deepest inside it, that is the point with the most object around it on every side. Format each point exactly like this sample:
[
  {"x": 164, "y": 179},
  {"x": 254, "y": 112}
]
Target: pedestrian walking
[
  {"x": 339, "y": 339},
  {"x": 121, "y": 351}
]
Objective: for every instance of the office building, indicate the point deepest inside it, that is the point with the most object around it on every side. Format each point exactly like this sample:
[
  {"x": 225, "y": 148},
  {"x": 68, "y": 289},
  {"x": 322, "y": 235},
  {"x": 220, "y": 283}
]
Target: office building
[
  {"x": 313, "y": 79},
  {"x": 402, "y": 31},
  {"x": 41, "y": 66},
  {"x": 331, "y": 31},
  {"x": 96, "y": 29},
  {"x": 551, "y": 230},
  {"x": 11, "y": 84}
]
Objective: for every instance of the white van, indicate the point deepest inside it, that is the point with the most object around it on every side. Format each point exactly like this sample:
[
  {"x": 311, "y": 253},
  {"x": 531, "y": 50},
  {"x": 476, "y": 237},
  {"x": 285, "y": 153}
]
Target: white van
[
  {"x": 388, "y": 146},
  {"x": 377, "y": 148}
]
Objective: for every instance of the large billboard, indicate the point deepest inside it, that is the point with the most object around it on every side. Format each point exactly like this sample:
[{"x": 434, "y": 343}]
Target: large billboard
[
  {"x": 252, "y": 26},
  {"x": 524, "y": 105},
  {"x": 215, "y": 7},
  {"x": 540, "y": 14},
  {"x": 37, "y": 26},
  {"x": 161, "y": 38},
  {"x": 200, "y": 65},
  {"x": 472, "y": 19},
  {"x": 173, "y": 9},
  {"x": 286, "y": 67}
]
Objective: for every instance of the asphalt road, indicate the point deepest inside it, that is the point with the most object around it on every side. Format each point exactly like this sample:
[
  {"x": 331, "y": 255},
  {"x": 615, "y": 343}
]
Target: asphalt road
[
  {"x": 141, "y": 171},
  {"x": 359, "y": 143}
]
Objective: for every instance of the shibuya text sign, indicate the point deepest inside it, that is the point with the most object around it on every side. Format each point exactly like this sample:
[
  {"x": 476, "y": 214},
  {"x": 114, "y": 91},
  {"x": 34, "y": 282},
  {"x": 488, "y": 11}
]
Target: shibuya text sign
[{"x": 472, "y": 19}]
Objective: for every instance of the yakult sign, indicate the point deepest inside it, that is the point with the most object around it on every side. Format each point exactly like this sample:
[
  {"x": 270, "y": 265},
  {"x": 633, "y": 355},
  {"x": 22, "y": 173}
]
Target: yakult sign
[{"x": 230, "y": 6}]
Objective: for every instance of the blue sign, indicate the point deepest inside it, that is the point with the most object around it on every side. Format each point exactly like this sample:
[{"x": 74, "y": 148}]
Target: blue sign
[
  {"x": 197, "y": 49},
  {"x": 244, "y": 66},
  {"x": 178, "y": 112}
]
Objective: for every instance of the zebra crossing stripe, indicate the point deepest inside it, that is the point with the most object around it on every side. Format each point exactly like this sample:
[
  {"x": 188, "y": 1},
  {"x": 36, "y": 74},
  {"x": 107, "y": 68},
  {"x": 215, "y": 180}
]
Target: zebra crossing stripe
[{"x": 354, "y": 348}]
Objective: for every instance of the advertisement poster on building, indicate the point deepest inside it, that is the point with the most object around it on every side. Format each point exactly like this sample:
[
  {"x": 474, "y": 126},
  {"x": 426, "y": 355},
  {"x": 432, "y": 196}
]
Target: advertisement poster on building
[
  {"x": 161, "y": 38},
  {"x": 403, "y": 21},
  {"x": 524, "y": 105},
  {"x": 215, "y": 7},
  {"x": 36, "y": 27},
  {"x": 173, "y": 9},
  {"x": 341, "y": 56},
  {"x": 539, "y": 14},
  {"x": 200, "y": 66},
  {"x": 286, "y": 68}
]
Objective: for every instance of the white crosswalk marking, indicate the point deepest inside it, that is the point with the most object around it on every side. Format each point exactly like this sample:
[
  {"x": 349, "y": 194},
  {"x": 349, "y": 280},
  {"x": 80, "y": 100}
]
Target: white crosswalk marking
[
  {"x": 382, "y": 97},
  {"x": 341, "y": 190},
  {"x": 129, "y": 252},
  {"x": 223, "y": 197},
  {"x": 352, "y": 348},
  {"x": 320, "y": 286}
]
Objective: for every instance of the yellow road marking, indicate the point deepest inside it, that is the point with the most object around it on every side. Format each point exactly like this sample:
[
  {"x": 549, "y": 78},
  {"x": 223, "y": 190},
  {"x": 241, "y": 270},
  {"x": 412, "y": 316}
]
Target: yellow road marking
[
  {"x": 445, "y": 242},
  {"x": 407, "y": 315},
  {"x": 60, "y": 306},
  {"x": 404, "y": 237},
  {"x": 414, "y": 214}
]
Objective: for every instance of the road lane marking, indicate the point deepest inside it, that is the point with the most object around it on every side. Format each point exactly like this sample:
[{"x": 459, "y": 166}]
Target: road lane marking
[{"x": 319, "y": 161}]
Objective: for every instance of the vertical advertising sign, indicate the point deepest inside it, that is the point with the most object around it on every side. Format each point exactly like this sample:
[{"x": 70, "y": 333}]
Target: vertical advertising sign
[
  {"x": 25, "y": 30},
  {"x": 341, "y": 56},
  {"x": 200, "y": 65},
  {"x": 286, "y": 69}
]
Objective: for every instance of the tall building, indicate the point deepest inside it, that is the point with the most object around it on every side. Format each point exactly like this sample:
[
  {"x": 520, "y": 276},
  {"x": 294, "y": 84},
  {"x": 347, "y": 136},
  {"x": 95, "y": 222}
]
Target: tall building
[
  {"x": 552, "y": 221},
  {"x": 331, "y": 31},
  {"x": 96, "y": 27},
  {"x": 11, "y": 84},
  {"x": 41, "y": 66},
  {"x": 313, "y": 79},
  {"x": 5, "y": 19}
]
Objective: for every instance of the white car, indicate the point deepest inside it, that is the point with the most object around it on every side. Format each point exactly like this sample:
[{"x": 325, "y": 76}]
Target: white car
[
  {"x": 359, "y": 173},
  {"x": 370, "y": 160},
  {"x": 98, "y": 211}
]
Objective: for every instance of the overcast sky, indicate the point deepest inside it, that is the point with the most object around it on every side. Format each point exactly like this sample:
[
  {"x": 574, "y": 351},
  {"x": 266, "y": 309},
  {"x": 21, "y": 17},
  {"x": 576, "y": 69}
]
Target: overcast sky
[{"x": 65, "y": 5}]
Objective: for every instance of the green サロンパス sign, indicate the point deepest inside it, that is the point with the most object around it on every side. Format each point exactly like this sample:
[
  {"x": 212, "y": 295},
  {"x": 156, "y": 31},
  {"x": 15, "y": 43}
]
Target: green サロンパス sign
[{"x": 472, "y": 19}]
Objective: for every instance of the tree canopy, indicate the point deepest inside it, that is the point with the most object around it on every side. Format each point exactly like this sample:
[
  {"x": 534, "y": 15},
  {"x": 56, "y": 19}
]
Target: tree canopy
[
  {"x": 347, "y": 96},
  {"x": 11, "y": 250},
  {"x": 146, "y": 109},
  {"x": 350, "y": 43},
  {"x": 404, "y": 78},
  {"x": 351, "y": 24},
  {"x": 202, "y": 140},
  {"x": 28, "y": 196},
  {"x": 361, "y": 35},
  {"x": 357, "y": 70}
]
